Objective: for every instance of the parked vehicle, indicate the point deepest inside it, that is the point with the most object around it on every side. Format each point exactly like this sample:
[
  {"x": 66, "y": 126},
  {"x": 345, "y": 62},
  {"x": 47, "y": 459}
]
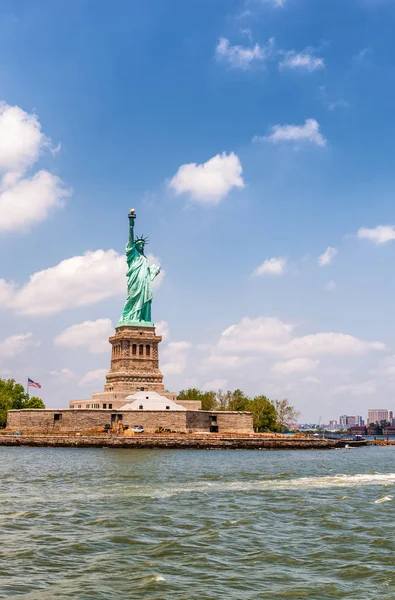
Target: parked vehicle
[{"x": 138, "y": 429}]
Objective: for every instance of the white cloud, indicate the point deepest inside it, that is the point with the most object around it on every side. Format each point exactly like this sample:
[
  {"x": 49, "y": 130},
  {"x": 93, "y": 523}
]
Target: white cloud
[
  {"x": 302, "y": 61},
  {"x": 330, "y": 286},
  {"x": 28, "y": 201},
  {"x": 215, "y": 384},
  {"x": 92, "y": 335},
  {"x": 387, "y": 366},
  {"x": 309, "y": 132},
  {"x": 16, "y": 344},
  {"x": 21, "y": 139},
  {"x": 24, "y": 200},
  {"x": 295, "y": 365},
  {"x": 356, "y": 389},
  {"x": 230, "y": 362},
  {"x": 271, "y": 266},
  {"x": 335, "y": 344},
  {"x": 241, "y": 57},
  {"x": 74, "y": 282},
  {"x": 210, "y": 182},
  {"x": 77, "y": 281},
  {"x": 273, "y": 336},
  {"x": 361, "y": 55},
  {"x": 162, "y": 328},
  {"x": 7, "y": 291},
  {"x": 379, "y": 235},
  {"x": 63, "y": 376},
  {"x": 175, "y": 357},
  {"x": 93, "y": 377},
  {"x": 254, "y": 334},
  {"x": 327, "y": 257}
]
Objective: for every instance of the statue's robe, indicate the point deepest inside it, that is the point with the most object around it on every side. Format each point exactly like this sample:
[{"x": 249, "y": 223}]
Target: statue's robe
[{"x": 138, "y": 303}]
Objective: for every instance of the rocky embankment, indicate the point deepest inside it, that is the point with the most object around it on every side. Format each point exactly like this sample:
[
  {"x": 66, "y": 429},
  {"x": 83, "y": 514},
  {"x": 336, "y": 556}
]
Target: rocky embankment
[{"x": 257, "y": 442}]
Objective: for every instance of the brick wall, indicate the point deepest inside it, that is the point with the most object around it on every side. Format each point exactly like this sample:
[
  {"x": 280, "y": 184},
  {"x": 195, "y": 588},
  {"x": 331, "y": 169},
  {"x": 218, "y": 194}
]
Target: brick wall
[
  {"x": 80, "y": 420},
  {"x": 234, "y": 422}
]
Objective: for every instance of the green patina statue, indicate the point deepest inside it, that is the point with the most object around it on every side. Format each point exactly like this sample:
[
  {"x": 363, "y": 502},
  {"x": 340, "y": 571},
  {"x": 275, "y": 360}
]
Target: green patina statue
[{"x": 137, "y": 309}]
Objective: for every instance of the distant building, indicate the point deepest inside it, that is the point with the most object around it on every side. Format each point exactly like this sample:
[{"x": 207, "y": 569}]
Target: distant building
[
  {"x": 333, "y": 426},
  {"x": 375, "y": 415},
  {"x": 358, "y": 430},
  {"x": 346, "y": 420}
]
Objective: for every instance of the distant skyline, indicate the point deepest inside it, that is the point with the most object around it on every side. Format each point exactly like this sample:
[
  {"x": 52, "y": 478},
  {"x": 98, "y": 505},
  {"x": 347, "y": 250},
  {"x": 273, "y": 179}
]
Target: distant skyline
[{"x": 254, "y": 139}]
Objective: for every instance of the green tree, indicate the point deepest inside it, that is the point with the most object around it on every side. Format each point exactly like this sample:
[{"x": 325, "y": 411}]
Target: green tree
[
  {"x": 190, "y": 394},
  {"x": 13, "y": 396},
  {"x": 237, "y": 401},
  {"x": 376, "y": 426},
  {"x": 232, "y": 400},
  {"x": 208, "y": 399},
  {"x": 33, "y": 402},
  {"x": 264, "y": 414},
  {"x": 267, "y": 415},
  {"x": 222, "y": 399},
  {"x": 287, "y": 415}
]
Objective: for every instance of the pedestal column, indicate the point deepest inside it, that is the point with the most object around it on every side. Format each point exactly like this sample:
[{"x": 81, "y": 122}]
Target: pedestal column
[{"x": 134, "y": 361}]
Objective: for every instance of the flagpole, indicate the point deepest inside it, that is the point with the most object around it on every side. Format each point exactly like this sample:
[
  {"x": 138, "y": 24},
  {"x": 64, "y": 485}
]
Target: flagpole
[{"x": 27, "y": 389}]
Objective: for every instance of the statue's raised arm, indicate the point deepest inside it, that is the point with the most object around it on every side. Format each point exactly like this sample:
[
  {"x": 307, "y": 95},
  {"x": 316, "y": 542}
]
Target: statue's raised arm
[
  {"x": 137, "y": 309},
  {"x": 132, "y": 218}
]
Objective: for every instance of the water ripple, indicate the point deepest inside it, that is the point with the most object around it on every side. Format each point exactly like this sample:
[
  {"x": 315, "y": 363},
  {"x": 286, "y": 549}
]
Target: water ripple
[{"x": 188, "y": 525}]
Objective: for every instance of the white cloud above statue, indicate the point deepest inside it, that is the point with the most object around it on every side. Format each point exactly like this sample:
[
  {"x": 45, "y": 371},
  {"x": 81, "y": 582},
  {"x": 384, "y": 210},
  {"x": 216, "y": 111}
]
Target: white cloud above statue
[
  {"x": 210, "y": 182},
  {"x": 309, "y": 132},
  {"x": 301, "y": 61},
  {"x": 378, "y": 235},
  {"x": 25, "y": 200},
  {"x": 327, "y": 257},
  {"x": 242, "y": 57},
  {"x": 271, "y": 266}
]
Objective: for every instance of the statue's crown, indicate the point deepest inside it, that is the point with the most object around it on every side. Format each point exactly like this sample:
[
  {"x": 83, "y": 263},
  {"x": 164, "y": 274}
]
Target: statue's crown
[{"x": 141, "y": 238}]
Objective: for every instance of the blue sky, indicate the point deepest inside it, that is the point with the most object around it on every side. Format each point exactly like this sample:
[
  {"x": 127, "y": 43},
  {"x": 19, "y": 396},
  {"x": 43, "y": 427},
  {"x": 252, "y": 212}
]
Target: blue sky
[{"x": 251, "y": 136}]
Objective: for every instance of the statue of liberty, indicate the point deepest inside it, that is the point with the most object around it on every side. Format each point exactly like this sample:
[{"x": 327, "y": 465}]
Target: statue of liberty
[{"x": 137, "y": 309}]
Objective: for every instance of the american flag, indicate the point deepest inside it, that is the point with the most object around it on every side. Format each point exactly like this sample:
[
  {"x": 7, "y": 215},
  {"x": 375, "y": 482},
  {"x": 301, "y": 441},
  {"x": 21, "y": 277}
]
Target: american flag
[{"x": 32, "y": 383}]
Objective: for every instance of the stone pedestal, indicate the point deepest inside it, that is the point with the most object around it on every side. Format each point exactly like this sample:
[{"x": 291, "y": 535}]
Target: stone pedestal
[
  {"x": 134, "y": 368},
  {"x": 134, "y": 361}
]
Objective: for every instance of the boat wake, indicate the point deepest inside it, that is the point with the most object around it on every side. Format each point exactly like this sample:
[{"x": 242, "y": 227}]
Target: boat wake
[{"x": 302, "y": 483}]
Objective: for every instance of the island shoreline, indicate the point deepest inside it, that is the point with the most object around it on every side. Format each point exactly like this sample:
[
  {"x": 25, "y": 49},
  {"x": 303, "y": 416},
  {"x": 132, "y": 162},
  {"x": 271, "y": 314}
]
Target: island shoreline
[{"x": 172, "y": 442}]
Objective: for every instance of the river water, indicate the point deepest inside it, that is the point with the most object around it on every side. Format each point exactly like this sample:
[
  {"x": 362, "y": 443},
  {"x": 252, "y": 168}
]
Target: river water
[{"x": 106, "y": 524}]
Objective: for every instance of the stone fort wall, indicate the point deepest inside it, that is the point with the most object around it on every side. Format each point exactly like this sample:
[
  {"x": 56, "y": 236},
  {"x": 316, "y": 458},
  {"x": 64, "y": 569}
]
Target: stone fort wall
[{"x": 80, "y": 420}]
